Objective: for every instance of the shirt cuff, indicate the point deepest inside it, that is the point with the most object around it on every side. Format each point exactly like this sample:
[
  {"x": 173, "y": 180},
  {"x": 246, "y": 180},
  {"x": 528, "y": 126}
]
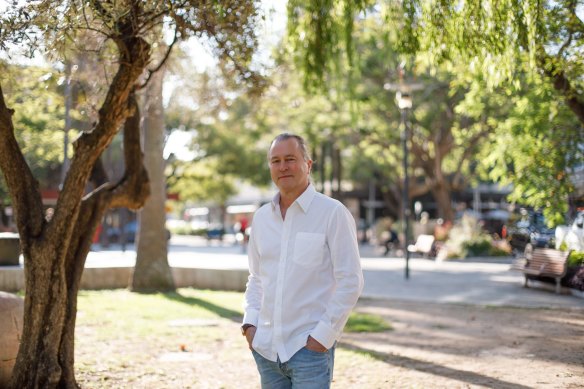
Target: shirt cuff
[
  {"x": 251, "y": 317},
  {"x": 324, "y": 334}
]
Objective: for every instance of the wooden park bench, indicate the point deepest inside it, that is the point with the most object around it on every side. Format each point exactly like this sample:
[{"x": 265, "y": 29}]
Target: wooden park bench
[
  {"x": 544, "y": 262},
  {"x": 424, "y": 245}
]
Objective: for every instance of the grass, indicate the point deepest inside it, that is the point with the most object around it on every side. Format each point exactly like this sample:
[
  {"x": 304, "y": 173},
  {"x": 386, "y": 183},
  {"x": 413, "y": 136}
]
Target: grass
[
  {"x": 158, "y": 315},
  {"x": 121, "y": 337},
  {"x": 365, "y": 322},
  {"x": 121, "y": 310},
  {"x": 136, "y": 315}
]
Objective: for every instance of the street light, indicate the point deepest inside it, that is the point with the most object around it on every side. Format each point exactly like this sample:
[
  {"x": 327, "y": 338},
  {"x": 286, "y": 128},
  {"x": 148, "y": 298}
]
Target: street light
[{"x": 404, "y": 103}]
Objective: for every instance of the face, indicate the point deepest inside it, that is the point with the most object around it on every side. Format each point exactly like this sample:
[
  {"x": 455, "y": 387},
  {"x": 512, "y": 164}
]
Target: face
[{"x": 290, "y": 172}]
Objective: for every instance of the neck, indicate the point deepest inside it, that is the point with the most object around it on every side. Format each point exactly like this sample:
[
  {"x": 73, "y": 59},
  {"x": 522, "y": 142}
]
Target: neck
[{"x": 288, "y": 198}]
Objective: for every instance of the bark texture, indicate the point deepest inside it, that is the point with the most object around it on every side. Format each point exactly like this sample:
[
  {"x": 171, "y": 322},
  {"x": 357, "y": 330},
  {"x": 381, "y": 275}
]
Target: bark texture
[{"x": 152, "y": 271}]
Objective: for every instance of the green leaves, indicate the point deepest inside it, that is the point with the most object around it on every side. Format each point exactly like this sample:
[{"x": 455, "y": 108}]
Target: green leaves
[
  {"x": 225, "y": 141},
  {"x": 320, "y": 38},
  {"x": 36, "y": 96},
  {"x": 534, "y": 150}
]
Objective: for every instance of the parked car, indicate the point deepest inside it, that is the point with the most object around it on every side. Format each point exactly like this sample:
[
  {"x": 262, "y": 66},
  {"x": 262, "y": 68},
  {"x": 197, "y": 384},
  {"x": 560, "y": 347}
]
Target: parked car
[
  {"x": 532, "y": 230},
  {"x": 215, "y": 231},
  {"x": 130, "y": 230},
  {"x": 543, "y": 237}
]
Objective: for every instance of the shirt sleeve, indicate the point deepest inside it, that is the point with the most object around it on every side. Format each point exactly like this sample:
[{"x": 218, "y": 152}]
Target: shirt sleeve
[
  {"x": 253, "y": 292},
  {"x": 344, "y": 250}
]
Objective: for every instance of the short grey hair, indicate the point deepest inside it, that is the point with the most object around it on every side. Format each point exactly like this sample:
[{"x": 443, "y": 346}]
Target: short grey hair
[{"x": 300, "y": 140}]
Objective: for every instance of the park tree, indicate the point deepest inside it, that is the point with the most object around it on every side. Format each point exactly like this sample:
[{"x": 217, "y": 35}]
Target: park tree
[
  {"x": 55, "y": 248},
  {"x": 495, "y": 49},
  {"x": 530, "y": 51},
  {"x": 533, "y": 148},
  {"x": 224, "y": 139},
  {"x": 443, "y": 140},
  {"x": 152, "y": 271}
]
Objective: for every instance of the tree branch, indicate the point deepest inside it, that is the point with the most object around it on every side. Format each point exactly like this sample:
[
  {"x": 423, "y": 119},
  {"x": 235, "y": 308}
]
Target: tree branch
[
  {"x": 161, "y": 64},
  {"x": 468, "y": 152},
  {"x": 134, "y": 188},
  {"x": 133, "y": 58},
  {"x": 561, "y": 83},
  {"x": 23, "y": 187}
]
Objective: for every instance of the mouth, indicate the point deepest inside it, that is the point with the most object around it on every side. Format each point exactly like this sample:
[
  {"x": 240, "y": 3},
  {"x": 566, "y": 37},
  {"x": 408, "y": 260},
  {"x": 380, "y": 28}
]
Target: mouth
[{"x": 281, "y": 177}]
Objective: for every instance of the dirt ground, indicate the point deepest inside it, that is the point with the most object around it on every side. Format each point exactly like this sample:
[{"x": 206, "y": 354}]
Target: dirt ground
[{"x": 430, "y": 346}]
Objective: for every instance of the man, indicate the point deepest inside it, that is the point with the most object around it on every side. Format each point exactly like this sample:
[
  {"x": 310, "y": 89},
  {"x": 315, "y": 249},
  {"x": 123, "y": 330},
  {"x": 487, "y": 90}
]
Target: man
[{"x": 305, "y": 275}]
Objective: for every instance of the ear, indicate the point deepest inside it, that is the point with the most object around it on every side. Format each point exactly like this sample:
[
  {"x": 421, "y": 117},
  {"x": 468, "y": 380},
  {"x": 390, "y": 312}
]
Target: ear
[{"x": 309, "y": 162}]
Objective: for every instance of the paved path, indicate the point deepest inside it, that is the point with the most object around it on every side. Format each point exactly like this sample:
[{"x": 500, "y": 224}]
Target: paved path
[{"x": 468, "y": 282}]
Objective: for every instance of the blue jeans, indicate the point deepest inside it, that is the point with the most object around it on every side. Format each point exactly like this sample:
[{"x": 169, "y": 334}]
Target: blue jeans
[{"x": 305, "y": 370}]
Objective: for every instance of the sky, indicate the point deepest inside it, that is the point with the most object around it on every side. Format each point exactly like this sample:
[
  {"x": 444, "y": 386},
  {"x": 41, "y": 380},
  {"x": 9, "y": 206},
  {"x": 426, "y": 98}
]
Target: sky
[{"x": 270, "y": 33}]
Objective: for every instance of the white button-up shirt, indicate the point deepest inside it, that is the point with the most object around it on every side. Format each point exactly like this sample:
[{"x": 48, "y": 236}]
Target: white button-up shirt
[{"x": 305, "y": 274}]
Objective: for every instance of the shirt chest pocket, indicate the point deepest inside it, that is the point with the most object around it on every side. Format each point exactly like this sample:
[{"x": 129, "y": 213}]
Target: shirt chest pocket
[{"x": 309, "y": 249}]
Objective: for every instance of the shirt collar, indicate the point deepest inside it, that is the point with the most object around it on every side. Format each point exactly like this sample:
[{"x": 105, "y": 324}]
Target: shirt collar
[{"x": 304, "y": 200}]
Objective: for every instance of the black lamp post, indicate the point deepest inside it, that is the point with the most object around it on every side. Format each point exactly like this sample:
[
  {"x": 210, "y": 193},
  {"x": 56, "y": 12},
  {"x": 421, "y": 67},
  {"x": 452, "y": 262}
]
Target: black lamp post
[{"x": 404, "y": 102}]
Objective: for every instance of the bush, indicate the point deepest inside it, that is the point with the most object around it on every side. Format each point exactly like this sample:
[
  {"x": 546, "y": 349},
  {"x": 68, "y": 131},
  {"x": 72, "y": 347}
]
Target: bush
[
  {"x": 576, "y": 258},
  {"x": 496, "y": 251},
  {"x": 477, "y": 247},
  {"x": 467, "y": 239},
  {"x": 574, "y": 278}
]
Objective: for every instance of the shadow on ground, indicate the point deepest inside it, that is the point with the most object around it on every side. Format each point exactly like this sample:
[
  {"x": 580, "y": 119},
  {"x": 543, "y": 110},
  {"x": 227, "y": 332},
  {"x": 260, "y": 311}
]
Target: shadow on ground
[
  {"x": 223, "y": 312},
  {"x": 434, "y": 369}
]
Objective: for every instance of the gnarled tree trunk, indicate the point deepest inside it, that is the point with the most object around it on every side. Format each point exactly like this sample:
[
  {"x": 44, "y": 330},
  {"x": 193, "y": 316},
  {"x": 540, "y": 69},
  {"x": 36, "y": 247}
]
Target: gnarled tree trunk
[{"x": 55, "y": 249}]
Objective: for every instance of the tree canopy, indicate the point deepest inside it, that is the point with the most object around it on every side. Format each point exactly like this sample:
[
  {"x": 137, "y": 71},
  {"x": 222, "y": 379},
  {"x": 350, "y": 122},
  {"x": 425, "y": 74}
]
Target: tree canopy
[
  {"x": 496, "y": 39},
  {"x": 121, "y": 35},
  {"x": 531, "y": 51},
  {"x": 492, "y": 48}
]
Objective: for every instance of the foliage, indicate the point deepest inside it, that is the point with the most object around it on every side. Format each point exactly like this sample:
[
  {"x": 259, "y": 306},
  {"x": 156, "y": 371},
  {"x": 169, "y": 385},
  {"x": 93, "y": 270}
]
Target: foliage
[
  {"x": 450, "y": 121},
  {"x": 39, "y": 119},
  {"x": 576, "y": 258},
  {"x": 467, "y": 238},
  {"x": 482, "y": 246},
  {"x": 226, "y": 28},
  {"x": 507, "y": 54},
  {"x": 532, "y": 49},
  {"x": 186, "y": 229},
  {"x": 533, "y": 149},
  {"x": 477, "y": 247},
  {"x": 224, "y": 144},
  {"x": 493, "y": 37},
  {"x": 443, "y": 141},
  {"x": 320, "y": 38}
]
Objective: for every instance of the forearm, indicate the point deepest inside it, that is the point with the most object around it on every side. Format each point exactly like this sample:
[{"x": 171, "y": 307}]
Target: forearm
[{"x": 331, "y": 325}]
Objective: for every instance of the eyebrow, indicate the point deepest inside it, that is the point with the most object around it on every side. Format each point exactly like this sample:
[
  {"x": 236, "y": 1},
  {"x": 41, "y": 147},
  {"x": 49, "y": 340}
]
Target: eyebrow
[{"x": 285, "y": 156}]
